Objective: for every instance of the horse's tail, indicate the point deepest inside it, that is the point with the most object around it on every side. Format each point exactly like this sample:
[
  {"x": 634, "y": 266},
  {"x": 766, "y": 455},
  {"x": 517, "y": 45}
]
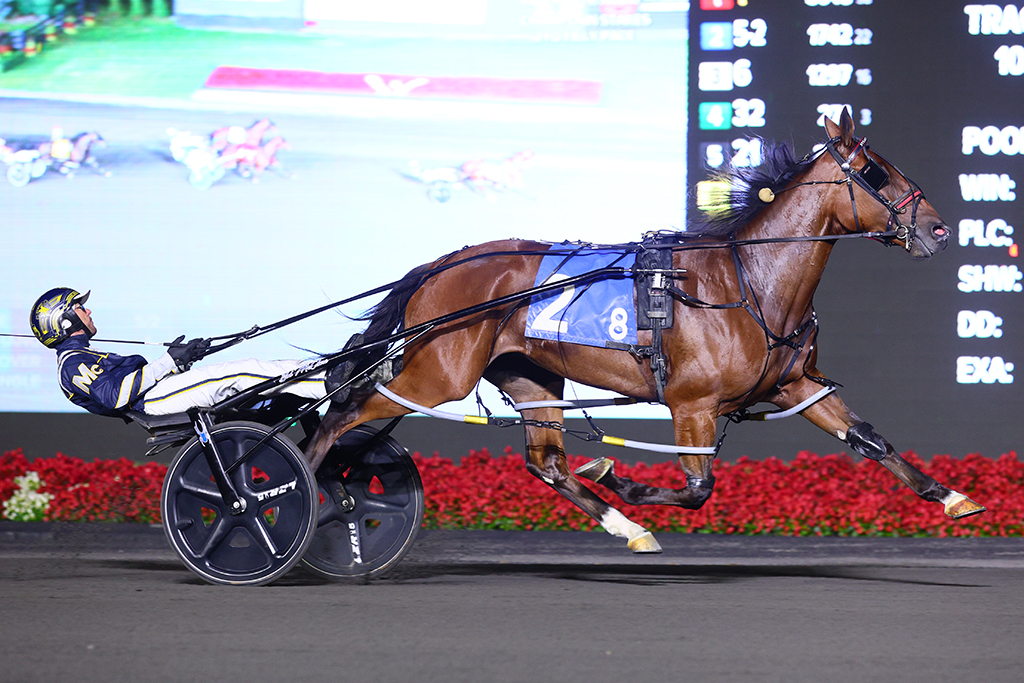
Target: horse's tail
[{"x": 388, "y": 316}]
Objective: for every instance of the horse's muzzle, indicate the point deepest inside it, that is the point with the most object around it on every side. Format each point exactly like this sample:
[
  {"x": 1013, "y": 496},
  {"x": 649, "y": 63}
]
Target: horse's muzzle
[
  {"x": 927, "y": 240},
  {"x": 940, "y": 234}
]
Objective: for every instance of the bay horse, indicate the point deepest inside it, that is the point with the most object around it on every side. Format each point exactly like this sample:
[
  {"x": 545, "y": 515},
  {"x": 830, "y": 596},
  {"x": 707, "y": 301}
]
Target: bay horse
[{"x": 766, "y": 250}]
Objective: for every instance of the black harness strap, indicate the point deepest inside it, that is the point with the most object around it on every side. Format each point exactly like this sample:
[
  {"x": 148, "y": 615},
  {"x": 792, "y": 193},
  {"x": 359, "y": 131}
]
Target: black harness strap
[
  {"x": 872, "y": 178},
  {"x": 805, "y": 332},
  {"x": 655, "y": 263},
  {"x": 654, "y": 305},
  {"x": 744, "y": 284},
  {"x": 654, "y": 310}
]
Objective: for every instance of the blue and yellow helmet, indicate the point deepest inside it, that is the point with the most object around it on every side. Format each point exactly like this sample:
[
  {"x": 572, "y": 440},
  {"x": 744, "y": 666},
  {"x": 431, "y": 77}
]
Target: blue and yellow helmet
[{"x": 53, "y": 318}]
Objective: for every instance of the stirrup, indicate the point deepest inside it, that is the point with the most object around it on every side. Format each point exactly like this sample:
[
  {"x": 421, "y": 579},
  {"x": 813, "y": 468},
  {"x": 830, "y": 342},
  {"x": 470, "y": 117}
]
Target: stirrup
[{"x": 595, "y": 469}]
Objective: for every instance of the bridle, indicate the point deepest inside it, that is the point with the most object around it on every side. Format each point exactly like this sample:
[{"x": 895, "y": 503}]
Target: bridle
[{"x": 872, "y": 178}]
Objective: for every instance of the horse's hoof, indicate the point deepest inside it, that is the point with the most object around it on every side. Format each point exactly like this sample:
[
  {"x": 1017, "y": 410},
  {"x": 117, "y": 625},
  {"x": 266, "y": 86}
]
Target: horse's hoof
[
  {"x": 958, "y": 506},
  {"x": 644, "y": 543},
  {"x": 595, "y": 469}
]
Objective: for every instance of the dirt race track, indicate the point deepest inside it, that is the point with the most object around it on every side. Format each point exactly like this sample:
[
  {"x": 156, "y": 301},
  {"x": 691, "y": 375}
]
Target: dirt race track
[{"x": 112, "y": 603}]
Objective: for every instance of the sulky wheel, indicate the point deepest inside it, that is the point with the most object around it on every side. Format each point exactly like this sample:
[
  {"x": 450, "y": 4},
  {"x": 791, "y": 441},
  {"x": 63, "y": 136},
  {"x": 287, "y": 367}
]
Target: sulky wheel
[
  {"x": 18, "y": 174},
  {"x": 367, "y": 535},
  {"x": 201, "y": 179},
  {"x": 440, "y": 192},
  {"x": 266, "y": 540}
]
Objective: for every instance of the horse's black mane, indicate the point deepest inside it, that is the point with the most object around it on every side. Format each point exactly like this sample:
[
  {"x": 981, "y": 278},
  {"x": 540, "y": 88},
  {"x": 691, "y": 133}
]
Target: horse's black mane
[{"x": 734, "y": 207}]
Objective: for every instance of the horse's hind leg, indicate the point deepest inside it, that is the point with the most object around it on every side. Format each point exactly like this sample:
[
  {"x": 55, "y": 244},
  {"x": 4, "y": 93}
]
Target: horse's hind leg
[
  {"x": 689, "y": 431},
  {"x": 546, "y": 461},
  {"x": 339, "y": 419},
  {"x": 523, "y": 381}
]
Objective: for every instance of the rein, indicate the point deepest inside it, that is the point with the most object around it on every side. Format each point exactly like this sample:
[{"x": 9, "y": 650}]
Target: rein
[
  {"x": 870, "y": 177},
  {"x": 258, "y": 330}
]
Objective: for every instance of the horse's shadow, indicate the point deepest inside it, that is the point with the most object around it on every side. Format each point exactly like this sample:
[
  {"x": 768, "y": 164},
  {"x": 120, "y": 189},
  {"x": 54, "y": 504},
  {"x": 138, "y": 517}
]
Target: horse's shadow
[
  {"x": 457, "y": 573},
  {"x": 653, "y": 575},
  {"x": 621, "y": 574}
]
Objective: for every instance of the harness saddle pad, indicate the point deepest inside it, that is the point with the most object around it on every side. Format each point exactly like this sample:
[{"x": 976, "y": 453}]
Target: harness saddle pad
[{"x": 592, "y": 313}]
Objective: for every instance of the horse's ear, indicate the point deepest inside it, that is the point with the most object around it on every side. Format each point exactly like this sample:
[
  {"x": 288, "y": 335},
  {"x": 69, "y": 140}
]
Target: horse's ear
[
  {"x": 842, "y": 130},
  {"x": 846, "y": 126}
]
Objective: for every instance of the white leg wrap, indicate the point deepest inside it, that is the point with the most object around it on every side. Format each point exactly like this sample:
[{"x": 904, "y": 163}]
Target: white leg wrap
[
  {"x": 952, "y": 497},
  {"x": 639, "y": 539},
  {"x": 616, "y": 523}
]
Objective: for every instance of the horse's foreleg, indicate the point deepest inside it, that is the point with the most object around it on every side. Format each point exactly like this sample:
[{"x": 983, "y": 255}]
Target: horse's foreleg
[
  {"x": 700, "y": 481},
  {"x": 833, "y": 415}
]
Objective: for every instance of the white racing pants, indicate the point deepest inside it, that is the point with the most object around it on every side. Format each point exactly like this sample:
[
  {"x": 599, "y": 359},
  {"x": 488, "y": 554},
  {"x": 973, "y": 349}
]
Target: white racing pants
[{"x": 204, "y": 386}]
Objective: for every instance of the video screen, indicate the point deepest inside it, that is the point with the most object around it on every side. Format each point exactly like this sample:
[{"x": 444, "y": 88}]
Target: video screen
[
  {"x": 413, "y": 129},
  {"x": 421, "y": 128}
]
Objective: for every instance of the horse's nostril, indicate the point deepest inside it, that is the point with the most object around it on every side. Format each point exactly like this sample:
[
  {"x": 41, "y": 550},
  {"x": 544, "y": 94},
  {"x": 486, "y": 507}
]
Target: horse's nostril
[{"x": 940, "y": 231}]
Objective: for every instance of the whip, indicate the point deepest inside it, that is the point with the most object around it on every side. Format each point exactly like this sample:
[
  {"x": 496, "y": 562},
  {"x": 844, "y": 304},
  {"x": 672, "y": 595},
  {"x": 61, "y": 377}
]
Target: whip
[{"x": 107, "y": 341}]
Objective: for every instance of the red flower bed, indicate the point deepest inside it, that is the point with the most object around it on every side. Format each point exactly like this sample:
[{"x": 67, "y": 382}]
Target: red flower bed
[
  {"x": 812, "y": 495},
  {"x": 98, "y": 491}
]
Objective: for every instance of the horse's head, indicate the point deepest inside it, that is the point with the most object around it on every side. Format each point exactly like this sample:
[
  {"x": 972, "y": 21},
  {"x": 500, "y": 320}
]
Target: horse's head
[
  {"x": 83, "y": 143},
  {"x": 88, "y": 139},
  {"x": 262, "y": 128},
  {"x": 881, "y": 198}
]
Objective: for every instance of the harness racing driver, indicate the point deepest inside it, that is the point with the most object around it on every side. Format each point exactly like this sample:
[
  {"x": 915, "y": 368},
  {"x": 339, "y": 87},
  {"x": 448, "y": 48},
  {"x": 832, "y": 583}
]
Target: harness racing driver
[{"x": 109, "y": 384}]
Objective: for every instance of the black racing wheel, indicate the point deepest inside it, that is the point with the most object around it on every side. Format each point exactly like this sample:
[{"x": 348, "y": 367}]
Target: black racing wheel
[
  {"x": 366, "y": 530},
  {"x": 266, "y": 540}
]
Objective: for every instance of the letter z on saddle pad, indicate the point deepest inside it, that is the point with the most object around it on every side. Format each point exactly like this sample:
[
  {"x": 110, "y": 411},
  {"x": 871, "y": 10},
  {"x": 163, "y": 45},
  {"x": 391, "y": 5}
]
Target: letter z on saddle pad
[{"x": 590, "y": 313}]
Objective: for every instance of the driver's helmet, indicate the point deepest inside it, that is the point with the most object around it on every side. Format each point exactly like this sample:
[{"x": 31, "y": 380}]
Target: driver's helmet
[
  {"x": 53, "y": 318},
  {"x": 56, "y": 133},
  {"x": 236, "y": 135}
]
